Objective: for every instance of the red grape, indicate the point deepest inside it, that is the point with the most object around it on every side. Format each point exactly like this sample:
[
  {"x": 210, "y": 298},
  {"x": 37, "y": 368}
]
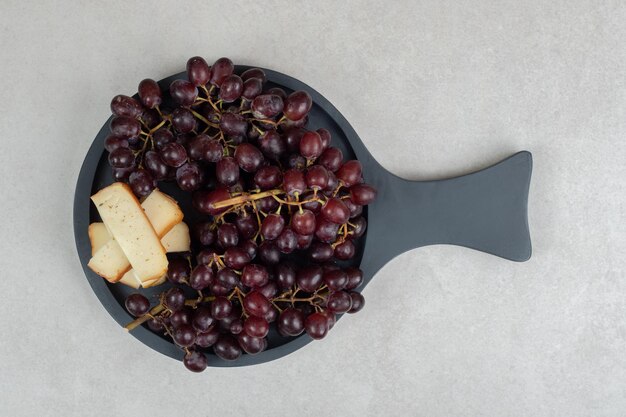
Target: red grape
[
  {"x": 227, "y": 235},
  {"x": 272, "y": 145},
  {"x": 201, "y": 277},
  {"x": 297, "y": 105},
  {"x": 256, "y": 304},
  {"x": 325, "y": 136},
  {"x": 184, "y": 335},
  {"x": 221, "y": 307},
  {"x": 202, "y": 319},
  {"x": 188, "y": 177},
  {"x": 291, "y": 322},
  {"x": 227, "y": 278},
  {"x": 233, "y": 124},
  {"x": 286, "y": 242},
  {"x": 195, "y": 361},
  {"x": 335, "y": 211},
  {"x": 266, "y": 106},
  {"x": 254, "y": 73},
  {"x": 208, "y": 338},
  {"x": 227, "y": 348},
  {"x": 345, "y": 250},
  {"x": 293, "y": 182},
  {"x": 236, "y": 257},
  {"x": 336, "y": 279},
  {"x": 339, "y": 302},
  {"x": 325, "y": 231},
  {"x": 316, "y": 326},
  {"x": 178, "y": 270},
  {"x": 162, "y": 137},
  {"x": 227, "y": 170},
  {"x": 203, "y": 201},
  {"x": 252, "y": 87},
  {"x": 362, "y": 194},
  {"x": 141, "y": 182},
  {"x": 285, "y": 276},
  {"x": 303, "y": 222},
  {"x": 122, "y": 105},
  {"x": 121, "y": 158},
  {"x": 231, "y": 88},
  {"x": 357, "y": 302},
  {"x": 331, "y": 159},
  {"x": 251, "y": 345},
  {"x": 174, "y": 299},
  {"x": 355, "y": 278},
  {"x": 268, "y": 177},
  {"x": 155, "y": 165},
  {"x": 198, "y": 71},
  {"x": 180, "y": 317},
  {"x": 309, "y": 278},
  {"x": 137, "y": 304},
  {"x": 183, "y": 120},
  {"x": 256, "y": 326},
  {"x": 125, "y": 127},
  {"x": 220, "y": 70},
  {"x": 248, "y": 157},
  {"x": 320, "y": 252},
  {"x": 311, "y": 145},
  {"x": 350, "y": 173},
  {"x": 150, "y": 93},
  {"x": 317, "y": 177},
  {"x": 272, "y": 226}
]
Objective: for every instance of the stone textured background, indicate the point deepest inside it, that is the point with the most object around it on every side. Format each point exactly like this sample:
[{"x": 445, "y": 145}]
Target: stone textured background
[{"x": 434, "y": 89}]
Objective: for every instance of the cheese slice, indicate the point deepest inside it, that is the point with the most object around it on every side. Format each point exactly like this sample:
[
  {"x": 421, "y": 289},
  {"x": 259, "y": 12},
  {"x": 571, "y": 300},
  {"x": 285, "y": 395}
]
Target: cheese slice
[
  {"x": 132, "y": 231},
  {"x": 154, "y": 283},
  {"x": 98, "y": 236},
  {"x": 176, "y": 240},
  {"x": 130, "y": 279},
  {"x": 163, "y": 213}
]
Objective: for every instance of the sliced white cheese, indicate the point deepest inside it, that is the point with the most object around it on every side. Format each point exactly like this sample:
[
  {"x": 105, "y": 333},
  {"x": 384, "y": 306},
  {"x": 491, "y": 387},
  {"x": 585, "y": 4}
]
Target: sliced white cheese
[
  {"x": 133, "y": 232},
  {"x": 130, "y": 279},
  {"x": 162, "y": 211},
  {"x": 110, "y": 261},
  {"x": 156, "y": 282},
  {"x": 98, "y": 236},
  {"x": 177, "y": 239}
]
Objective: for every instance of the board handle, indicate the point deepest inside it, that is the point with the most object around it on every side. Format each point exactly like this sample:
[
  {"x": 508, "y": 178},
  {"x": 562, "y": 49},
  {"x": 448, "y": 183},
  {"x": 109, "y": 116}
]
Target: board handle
[{"x": 485, "y": 210}]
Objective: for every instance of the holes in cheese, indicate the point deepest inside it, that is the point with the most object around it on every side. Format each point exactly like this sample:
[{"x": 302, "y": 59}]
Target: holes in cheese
[
  {"x": 176, "y": 240},
  {"x": 133, "y": 232}
]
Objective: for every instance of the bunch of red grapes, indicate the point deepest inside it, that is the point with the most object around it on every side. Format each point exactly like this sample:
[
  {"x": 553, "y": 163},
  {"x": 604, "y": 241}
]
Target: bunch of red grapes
[{"x": 266, "y": 187}]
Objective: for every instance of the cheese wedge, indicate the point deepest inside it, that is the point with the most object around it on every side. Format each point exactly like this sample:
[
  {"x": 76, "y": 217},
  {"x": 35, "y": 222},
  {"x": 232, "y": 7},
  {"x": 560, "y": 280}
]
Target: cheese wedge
[
  {"x": 176, "y": 240},
  {"x": 133, "y": 232}
]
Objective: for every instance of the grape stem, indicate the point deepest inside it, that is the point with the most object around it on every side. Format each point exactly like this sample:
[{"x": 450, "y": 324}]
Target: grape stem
[
  {"x": 204, "y": 119},
  {"x": 245, "y": 198},
  {"x": 142, "y": 319},
  {"x": 160, "y": 308}
]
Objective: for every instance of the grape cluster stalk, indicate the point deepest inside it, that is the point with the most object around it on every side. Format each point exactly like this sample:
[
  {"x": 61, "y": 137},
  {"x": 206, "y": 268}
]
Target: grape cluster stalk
[{"x": 266, "y": 187}]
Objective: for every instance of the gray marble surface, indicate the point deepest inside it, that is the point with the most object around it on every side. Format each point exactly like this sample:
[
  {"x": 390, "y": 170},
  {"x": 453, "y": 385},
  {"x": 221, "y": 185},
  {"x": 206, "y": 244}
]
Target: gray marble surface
[{"x": 434, "y": 89}]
